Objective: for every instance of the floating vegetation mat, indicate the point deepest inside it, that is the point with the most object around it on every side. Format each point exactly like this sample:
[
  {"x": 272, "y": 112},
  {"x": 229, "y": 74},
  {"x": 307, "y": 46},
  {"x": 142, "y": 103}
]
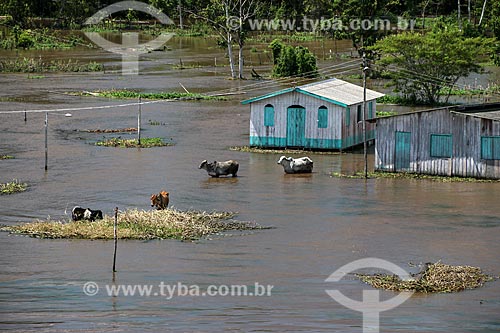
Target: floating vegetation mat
[
  {"x": 139, "y": 224},
  {"x": 110, "y": 130},
  {"x": 435, "y": 278},
  {"x": 408, "y": 175},
  {"x": 6, "y": 157},
  {"x": 133, "y": 143},
  {"x": 12, "y": 187},
  {"x": 248, "y": 149}
]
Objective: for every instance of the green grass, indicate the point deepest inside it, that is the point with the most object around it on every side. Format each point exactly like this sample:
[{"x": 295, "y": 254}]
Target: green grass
[
  {"x": 37, "y": 65},
  {"x": 139, "y": 224},
  {"x": 247, "y": 149},
  {"x": 13, "y": 187},
  {"x": 386, "y": 113},
  {"x": 133, "y": 143},
  {"x": 40, "y": 39},
  {"x": 129, "y": 94},
  {"x": 408, "y": 175},
  {"x": 6, "y": 157},
  {"x": 469, "y": 91}
]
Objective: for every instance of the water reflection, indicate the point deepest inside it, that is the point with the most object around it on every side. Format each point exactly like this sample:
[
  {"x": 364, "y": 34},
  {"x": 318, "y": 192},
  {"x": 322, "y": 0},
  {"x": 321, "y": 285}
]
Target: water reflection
[{"x": 321, "y": 223}]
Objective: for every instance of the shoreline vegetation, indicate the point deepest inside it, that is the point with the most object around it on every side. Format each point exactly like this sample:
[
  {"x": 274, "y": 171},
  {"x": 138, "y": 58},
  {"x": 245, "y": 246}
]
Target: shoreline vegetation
[
  {"x": 129, "y": 94},
  {"x": 409, "y": 175},
  {"x": 133, "y": 143},
  {"x": 38, "y": 65},
  {"x": 433, "y": 278},
  {"x": 247, "y": 149},
  {"x": 137, "y": 224},
  {"x": 12, "y": 187}
]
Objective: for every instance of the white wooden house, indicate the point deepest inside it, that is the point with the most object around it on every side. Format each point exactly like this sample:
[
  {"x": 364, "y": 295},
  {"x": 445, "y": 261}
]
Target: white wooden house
[{"x": 322, "y": 115}]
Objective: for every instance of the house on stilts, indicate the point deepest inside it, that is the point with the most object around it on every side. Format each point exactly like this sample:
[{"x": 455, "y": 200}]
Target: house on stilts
[
  {"x": 325, "y": 115},
  {"x": 451, "y": 141}
]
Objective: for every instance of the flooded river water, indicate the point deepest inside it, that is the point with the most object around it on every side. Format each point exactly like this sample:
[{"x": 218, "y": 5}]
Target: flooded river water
[{"x": 320, "y": 223}]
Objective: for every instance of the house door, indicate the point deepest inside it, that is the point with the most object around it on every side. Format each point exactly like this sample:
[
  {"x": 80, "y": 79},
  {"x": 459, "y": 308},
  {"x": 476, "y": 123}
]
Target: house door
[
  {"x": 402, "y": 153},
  {"x": 296, "y": 126}
]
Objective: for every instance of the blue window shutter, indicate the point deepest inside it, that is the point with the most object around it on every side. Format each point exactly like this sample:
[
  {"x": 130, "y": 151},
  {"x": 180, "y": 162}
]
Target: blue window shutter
[
  {"x": 490, "y": 147},
  {"x": 347, "y": 116},
  {"x": 269, "y": 115},
  {"x": 441, "y": 145},
  {"x": 322, "y": 117},
  {"x": 370, "y": 110}
]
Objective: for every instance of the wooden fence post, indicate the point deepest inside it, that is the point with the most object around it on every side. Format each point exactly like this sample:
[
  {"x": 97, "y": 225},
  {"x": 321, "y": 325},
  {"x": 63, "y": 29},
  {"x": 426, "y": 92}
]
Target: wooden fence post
[{"x": 115, "y": 235}]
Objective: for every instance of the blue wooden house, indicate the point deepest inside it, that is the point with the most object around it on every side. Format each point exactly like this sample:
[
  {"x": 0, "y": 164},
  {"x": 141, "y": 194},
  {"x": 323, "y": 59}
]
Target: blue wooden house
[{"x": 322, "y": 115}]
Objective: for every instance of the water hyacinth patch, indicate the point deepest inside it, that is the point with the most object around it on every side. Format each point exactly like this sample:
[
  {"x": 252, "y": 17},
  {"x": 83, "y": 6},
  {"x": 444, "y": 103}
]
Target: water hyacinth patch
[
  {"x": 13, "y": 187},
  {"x": 133, "y": 143}
]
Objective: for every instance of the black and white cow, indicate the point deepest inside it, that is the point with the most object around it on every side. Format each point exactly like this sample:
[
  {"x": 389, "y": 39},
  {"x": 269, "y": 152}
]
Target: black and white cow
[
  {"x": 217, "y": 169},
  {"x": 78, "y": 213}
]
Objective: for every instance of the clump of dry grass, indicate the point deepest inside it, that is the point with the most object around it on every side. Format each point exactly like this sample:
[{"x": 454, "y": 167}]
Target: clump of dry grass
[
  {"x": 139, "y": 224},
  {"x": 434, "y": 278}
]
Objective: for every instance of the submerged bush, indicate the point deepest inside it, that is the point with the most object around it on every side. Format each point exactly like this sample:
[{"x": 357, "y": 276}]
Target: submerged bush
[{"x": 13, "y": 187}]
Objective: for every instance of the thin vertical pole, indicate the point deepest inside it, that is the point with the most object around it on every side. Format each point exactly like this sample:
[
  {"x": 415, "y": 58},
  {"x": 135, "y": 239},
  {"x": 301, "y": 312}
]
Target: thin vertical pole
[
  {"x": 46, "y": 140},
  {"x": 115, "y": 236},
  {"x": 365, "y": 154},
  {"x": 459, "y": 18},
  {"x": 139, "y": 123},
  {"x": 25, "y": 116},
  {"x": 180, "y": 15}
]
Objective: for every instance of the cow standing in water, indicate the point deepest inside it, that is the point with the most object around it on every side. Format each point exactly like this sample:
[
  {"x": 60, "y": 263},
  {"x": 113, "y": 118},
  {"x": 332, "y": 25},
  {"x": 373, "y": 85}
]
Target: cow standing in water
[
  {"x": 78, "y": 213},
  {"x": 160, "y": 200},
  {"x": 296, "y": 165},
  {"x": 217, "y": 169}
]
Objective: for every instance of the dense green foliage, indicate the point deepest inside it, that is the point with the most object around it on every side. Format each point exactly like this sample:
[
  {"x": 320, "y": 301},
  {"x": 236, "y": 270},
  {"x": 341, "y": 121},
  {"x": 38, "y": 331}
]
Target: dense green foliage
[
  {"x": 293, "y": 61},
  {"x": 422, "y": 64}
]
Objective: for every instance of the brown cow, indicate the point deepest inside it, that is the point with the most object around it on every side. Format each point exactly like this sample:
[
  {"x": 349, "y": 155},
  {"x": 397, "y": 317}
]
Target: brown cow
[{"x": 160, "y": 200}]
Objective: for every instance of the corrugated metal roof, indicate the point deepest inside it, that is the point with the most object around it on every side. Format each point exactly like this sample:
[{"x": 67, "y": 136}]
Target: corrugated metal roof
[
  {"x": 340, "y": 91},
  {"x": 333, "y": 90},
  {"x": 493, "y": 115}
]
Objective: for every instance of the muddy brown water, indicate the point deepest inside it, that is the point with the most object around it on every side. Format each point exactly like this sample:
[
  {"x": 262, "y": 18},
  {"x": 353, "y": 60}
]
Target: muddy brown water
[{"x": 321, "y": 223}]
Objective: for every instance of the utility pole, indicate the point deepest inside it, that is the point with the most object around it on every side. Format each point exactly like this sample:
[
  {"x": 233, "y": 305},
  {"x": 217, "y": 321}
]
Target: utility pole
[
  {"x": 46, "y": 140},
  {"x": 363, "y": 118},
  {"x": 180, "y": 15},
  {"x": 459, "y": 18},
  {"x": 139, "y": 122}
]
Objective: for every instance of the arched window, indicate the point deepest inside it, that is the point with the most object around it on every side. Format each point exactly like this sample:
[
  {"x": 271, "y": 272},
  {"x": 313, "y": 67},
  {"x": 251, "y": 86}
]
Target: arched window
[
  {"x": 322, "y": 117},
  {"x": 269, "y": 115}
]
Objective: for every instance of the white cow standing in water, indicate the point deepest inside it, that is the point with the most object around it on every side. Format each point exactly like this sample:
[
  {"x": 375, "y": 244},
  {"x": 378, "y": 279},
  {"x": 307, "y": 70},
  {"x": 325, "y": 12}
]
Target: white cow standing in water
[{"x": 296, "y": 165}]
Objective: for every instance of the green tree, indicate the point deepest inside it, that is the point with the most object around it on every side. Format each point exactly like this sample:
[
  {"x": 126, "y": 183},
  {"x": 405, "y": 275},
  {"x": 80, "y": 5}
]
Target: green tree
[
  {"x": 422, "y": 64},
  {"x": 293, "y": 61},
  {"x": 18, "y": 9}
]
